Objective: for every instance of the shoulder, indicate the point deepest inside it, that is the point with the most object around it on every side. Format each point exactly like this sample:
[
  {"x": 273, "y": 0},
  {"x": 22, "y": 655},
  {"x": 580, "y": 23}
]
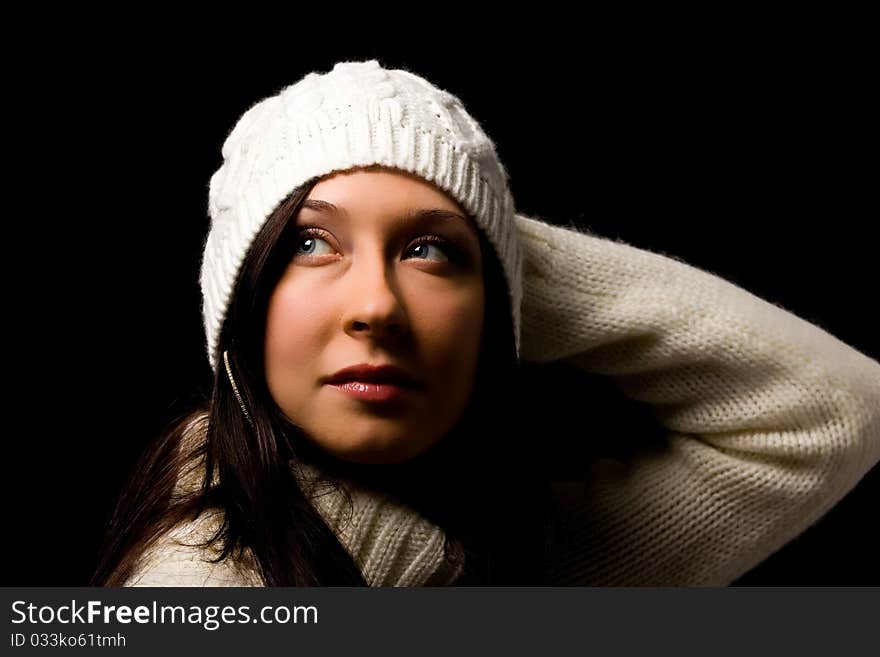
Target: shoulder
[{"x": 177, "y": 559}]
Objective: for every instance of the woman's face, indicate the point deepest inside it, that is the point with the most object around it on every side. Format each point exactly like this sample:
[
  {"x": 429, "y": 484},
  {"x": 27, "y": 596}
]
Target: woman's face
[{"x": 363, "y": 287}]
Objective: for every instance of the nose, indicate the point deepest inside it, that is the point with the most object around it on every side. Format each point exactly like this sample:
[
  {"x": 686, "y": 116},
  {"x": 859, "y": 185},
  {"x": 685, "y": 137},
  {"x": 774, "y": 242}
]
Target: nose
[{"x": 373, "y": 308}]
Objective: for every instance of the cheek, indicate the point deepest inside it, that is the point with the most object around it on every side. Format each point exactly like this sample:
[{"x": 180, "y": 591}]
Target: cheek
[
  {"x": 452, "y": 341},
  {"x": 292, "y": 326}
]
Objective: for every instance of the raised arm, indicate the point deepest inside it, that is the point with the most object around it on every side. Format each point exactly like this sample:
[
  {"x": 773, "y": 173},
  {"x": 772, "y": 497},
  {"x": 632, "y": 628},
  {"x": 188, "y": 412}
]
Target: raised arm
[{"x": 769, "y": 419}]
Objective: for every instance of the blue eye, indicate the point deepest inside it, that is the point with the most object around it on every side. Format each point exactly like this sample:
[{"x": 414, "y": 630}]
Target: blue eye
[
  {"x": 432, "y": 241},
  {"x": 306, "y": 238}
]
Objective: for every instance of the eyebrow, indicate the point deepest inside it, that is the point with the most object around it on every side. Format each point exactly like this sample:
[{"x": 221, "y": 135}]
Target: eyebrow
[{"x": 417, "y": 214}]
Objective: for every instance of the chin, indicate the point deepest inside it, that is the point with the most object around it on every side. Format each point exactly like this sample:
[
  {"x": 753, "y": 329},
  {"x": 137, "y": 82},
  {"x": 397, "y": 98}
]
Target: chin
[{"x": 379, "y": 452}]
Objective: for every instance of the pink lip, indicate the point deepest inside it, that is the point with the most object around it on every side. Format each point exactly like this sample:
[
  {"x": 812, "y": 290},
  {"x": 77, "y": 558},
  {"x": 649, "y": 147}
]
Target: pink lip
[
  {"x": 372, "y": 392},
  {"x": 367, "y": 373}
]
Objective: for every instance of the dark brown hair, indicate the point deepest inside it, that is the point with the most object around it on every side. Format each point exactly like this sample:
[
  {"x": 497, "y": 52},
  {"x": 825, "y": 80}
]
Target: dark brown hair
[{"x": 480, "y": 483}]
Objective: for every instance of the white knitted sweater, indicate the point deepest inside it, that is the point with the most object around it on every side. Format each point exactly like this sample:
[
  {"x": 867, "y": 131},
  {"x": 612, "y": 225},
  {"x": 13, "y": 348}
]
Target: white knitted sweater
[{"x": 769, "y": 420}]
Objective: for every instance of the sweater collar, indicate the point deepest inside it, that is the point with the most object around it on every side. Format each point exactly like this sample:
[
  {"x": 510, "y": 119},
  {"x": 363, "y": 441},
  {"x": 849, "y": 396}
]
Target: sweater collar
[{"x": 390, "y": 541}]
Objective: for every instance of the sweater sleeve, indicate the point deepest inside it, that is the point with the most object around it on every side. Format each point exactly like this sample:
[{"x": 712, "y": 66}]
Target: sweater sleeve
[{"x": 768, "y": 420}]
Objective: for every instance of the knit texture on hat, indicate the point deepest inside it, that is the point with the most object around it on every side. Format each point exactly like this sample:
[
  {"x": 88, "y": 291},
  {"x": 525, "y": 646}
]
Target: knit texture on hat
[{"x": 358, "y": 114}]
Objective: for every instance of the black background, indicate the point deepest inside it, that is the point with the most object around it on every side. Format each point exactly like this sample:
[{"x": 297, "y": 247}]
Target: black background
[{"x": 743, "y": 154}]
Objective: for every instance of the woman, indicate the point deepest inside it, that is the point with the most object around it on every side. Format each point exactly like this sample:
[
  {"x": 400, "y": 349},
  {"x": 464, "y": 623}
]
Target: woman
[{"x": 361, "y": 217}]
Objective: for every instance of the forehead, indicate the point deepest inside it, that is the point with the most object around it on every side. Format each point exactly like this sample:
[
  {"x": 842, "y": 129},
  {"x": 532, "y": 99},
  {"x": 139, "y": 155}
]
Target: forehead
[{"x": 382, "y": 192}]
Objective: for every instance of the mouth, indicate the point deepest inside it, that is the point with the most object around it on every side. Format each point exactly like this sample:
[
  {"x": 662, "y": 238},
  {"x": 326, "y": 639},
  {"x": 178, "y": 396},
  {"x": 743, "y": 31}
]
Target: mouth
[
  {"x": 374, "y": 380},
  {"x": 374, "y": 391}
]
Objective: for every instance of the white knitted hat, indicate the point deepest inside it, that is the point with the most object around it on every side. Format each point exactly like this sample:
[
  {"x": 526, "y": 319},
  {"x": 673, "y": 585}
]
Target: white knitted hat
[{"x": 357, "y": 114}]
